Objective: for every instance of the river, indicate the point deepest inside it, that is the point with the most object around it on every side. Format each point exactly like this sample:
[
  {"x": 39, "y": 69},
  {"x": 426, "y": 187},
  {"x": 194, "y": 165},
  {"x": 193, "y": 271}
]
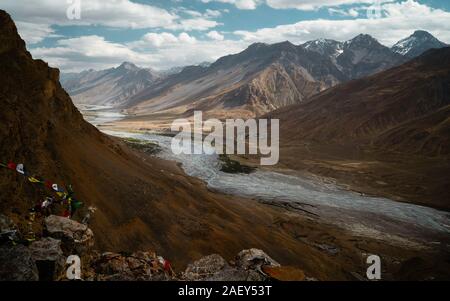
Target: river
[{"x": 377, "y": 217}]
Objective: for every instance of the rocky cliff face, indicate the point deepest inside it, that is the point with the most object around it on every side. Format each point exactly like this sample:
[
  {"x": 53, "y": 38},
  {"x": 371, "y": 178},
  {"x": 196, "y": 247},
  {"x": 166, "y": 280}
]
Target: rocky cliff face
[{"x": 37, "y": 114}]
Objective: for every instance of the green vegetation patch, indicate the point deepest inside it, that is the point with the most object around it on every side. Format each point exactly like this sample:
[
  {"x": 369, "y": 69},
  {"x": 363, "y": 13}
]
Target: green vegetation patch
[
  {"x": 147, "y": 147},
  {"x": 234, "y": 167}
]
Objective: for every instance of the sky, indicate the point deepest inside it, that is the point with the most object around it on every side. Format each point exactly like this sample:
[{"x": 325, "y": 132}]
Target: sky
[{"x": 76, "y": 35}]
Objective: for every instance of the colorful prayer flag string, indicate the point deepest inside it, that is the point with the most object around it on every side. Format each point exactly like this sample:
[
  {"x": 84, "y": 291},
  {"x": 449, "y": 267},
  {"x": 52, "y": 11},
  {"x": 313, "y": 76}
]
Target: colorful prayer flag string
[{"x": 73, "y": 204}]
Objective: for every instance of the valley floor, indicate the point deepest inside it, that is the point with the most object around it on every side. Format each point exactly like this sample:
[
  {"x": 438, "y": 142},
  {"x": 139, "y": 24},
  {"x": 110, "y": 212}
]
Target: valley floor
[{"x": 311, "y": 230}]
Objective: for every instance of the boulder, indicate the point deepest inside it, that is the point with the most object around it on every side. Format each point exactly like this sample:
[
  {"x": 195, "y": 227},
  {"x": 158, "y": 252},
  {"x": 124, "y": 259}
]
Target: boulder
[
  {"x": 139, "y": 266},
  {"x": 8, "y": 230},
  {"x": 16, "y": 264},
  {"x": 76, "y": 238},
  {"x": 254, "y": 259},
  {"x": 215, "y": 268},
  {"x": 49, "y": 258}
]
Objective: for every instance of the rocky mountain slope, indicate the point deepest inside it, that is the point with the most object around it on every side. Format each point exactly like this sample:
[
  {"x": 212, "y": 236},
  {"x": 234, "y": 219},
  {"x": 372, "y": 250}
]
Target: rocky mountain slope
[
  {"x": 266, "y": 77},
  {"x": 364, "y": 55},
  {"x": 258, "y": 80},
  {"x": 111, "y": 87},
  {"x": 416, "y": 44},
  {"x": 400, "y": 115}
]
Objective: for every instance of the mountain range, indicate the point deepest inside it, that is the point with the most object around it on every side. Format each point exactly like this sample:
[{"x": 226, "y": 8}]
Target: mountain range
[
  {"x": 390, "y": 128},
  {"x": 258, "y": 80},
  {"x": 111, "y": 87}
]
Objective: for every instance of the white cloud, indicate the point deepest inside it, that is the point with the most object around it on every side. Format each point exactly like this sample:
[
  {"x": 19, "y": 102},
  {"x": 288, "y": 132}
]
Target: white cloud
[
  {"x": 314, "y": 4},
  {"x": 88, "y": 52},
  {"x": 194, "y": 24},
  {"x": 123, "y": 13},
  {"x": 295, "y": 4},
  {"x": 399, "y": 20},
  {"x": 36, "y": 18},
  {"x": 342, "y": 12},
  {"x": 163, "y": 49},
  {"x": 241, "y": 4},
  {"x": 214, "y": 35},
  {"x": 154, "y": 40},
  {"x": 156, "y": 50},
  {"x": 89, "y": 46},
  {"x": 34, "y": 33},
  {"x": 211, "y": 13}
]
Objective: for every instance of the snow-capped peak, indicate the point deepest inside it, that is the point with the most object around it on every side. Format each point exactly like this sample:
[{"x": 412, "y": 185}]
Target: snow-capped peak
[
  {"x": 325, "y": 46},
  {"x": 416, "y": 44}
]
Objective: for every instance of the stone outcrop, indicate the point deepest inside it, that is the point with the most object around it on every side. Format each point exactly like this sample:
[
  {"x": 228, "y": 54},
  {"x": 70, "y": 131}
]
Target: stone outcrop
[
  {"x": 139, "y": 266},
  {"x": 77, "y": 238},
  {"x": 16, "y": 264},
  {"x": 249, "y": 265},
  {"x": 49, "y": 258},
  {"x": 45, "y": 259},
  {"x": 8, "y": 230}
]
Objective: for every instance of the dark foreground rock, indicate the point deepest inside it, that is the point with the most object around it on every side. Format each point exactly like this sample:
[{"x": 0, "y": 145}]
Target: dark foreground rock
[
  {"x": 139, "y": 266},
  {"x": 45, "y": 259},
  {"x": 49, "y": 258},
  {"x": 249, "y": 265},
  {"x": 8, "y": 230},
  {"x": 16, "y": 264},
  {"x": 213, "y": 268}
]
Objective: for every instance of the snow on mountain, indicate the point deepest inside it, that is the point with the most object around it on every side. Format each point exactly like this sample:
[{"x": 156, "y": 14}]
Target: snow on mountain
[{"x": 416, "y": 44}]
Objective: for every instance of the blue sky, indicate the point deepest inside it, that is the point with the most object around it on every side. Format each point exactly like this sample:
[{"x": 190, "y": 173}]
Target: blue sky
[{"x": 166, "y": 33}]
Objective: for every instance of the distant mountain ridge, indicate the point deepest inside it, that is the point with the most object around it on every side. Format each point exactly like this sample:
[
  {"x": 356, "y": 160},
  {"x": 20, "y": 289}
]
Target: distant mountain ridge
[
  {"x": 258, "y": 80},
  {"x": 391, "y": 127},
  {"x": 266, "y": 77},
  {"x": 112, "y": 87}
]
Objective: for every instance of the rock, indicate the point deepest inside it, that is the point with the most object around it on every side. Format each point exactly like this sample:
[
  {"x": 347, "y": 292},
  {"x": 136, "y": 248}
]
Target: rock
[
  {"x": 254, "y": 259},
  {"x": 16, "y": 264},
  {"x": 49, "y": 258},
  {"x": 332, "y": 250},
  {"x": 8, "y": 230},
  {"x": 139, "y": 266},
  {"x": 76, "y": 238},
  {"x": 212, "y": 268},
  {"x": 215, "y": 268},
  {"x": 205, "y": 267}
]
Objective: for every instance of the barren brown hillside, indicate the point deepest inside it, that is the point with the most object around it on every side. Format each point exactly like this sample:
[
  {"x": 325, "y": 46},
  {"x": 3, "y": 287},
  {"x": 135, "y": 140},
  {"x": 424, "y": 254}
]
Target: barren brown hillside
[{"x": 387, "y": 133}]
